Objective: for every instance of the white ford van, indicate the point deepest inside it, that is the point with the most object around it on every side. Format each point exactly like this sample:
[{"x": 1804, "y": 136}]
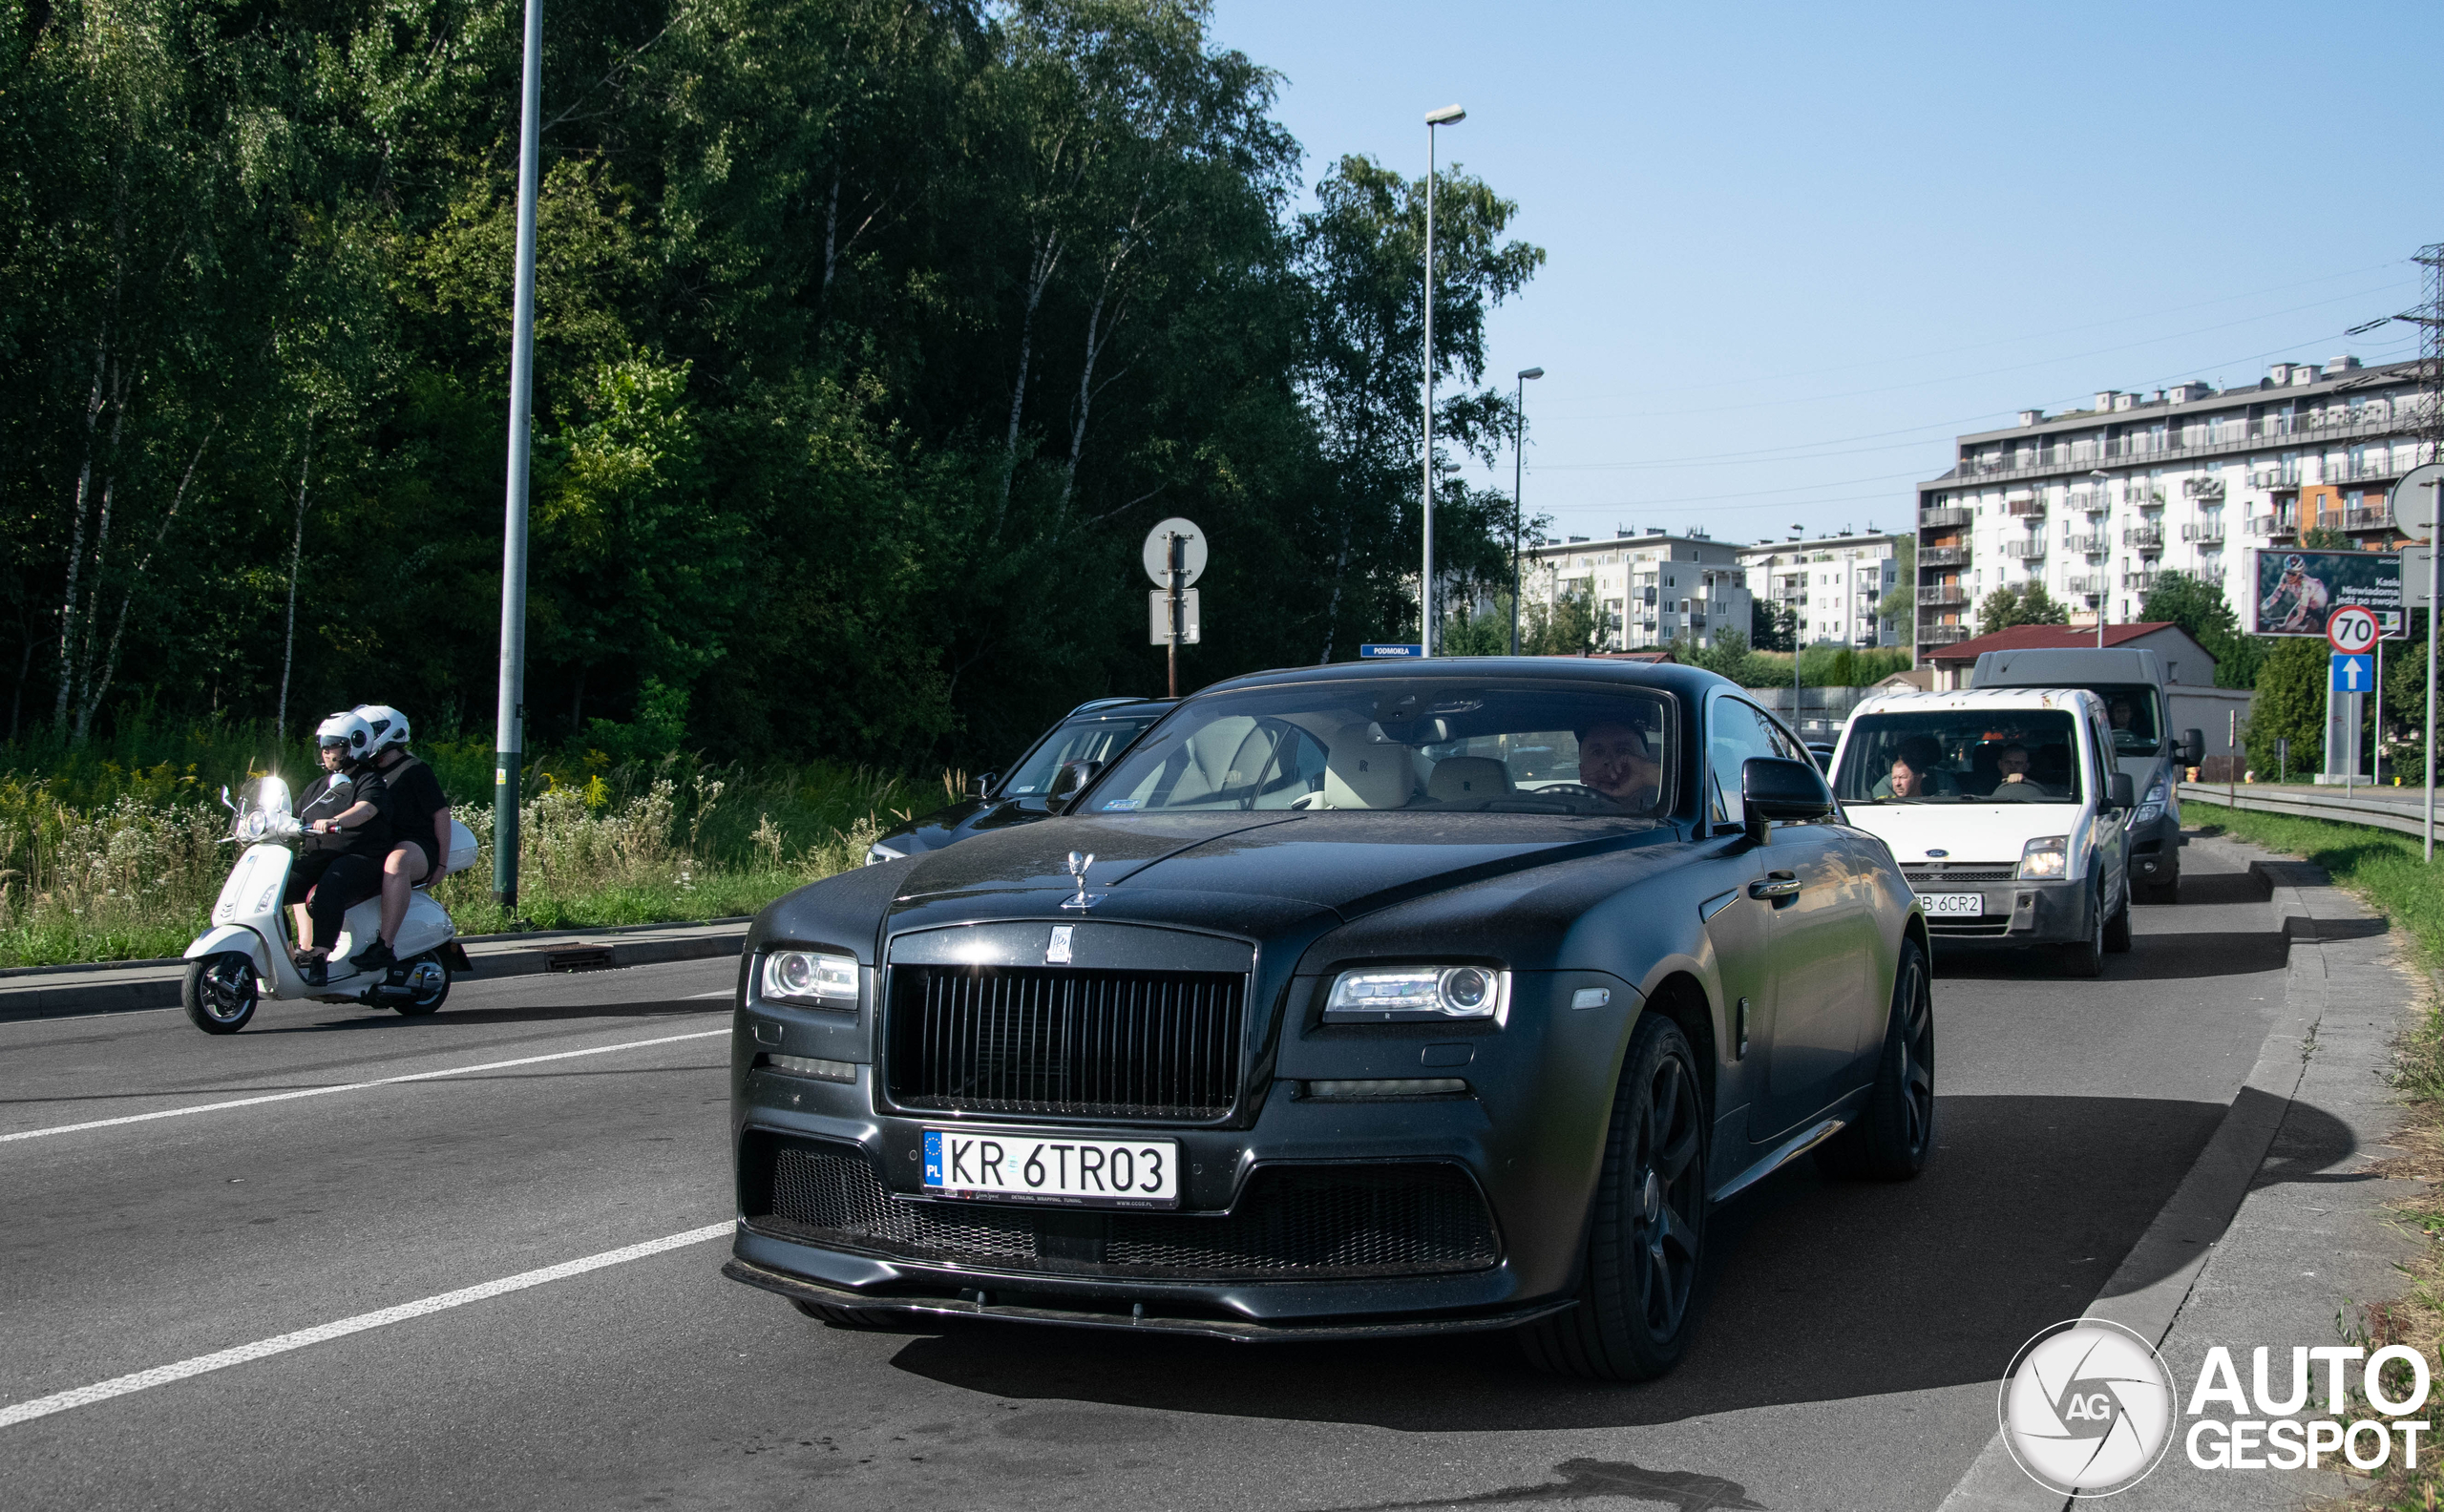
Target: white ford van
[{"x": 2005, "y": 812}]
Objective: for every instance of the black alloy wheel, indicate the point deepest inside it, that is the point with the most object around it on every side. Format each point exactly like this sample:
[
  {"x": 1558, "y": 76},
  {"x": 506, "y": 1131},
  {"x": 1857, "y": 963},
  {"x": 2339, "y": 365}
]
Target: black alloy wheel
[
  {"x": 220, "y": 993},
  {"x": 1894, "y": 1133},
  {"x": 1647, "y": 1233},
  {"x": 2085, "y": 958},
  {"x": 433, "y": 997}
]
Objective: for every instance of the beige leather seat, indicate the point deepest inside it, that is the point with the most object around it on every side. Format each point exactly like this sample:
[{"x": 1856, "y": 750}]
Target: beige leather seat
[
  {"x": 1361, "y": 771},
  {"x": 1467, "y": 779}
]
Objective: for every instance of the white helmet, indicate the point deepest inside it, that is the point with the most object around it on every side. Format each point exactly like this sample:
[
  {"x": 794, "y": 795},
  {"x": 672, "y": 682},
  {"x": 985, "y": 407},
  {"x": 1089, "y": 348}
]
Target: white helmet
[
  {"x": 387, "y": 726},
  {"x": 348, "y": 731}
]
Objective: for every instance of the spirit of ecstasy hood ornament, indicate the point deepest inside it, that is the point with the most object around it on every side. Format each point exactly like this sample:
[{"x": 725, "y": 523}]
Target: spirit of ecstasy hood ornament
[{"x": 1078, "y": 864}]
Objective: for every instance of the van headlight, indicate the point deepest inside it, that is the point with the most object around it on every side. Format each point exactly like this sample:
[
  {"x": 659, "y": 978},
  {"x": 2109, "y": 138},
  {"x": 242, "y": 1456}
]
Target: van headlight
[
  {"x": 809, "y": 976},
  {"x": 2152, "y": 807},
  {"x": 2046, "y": 859},
  {"x": 1391, "y": 995}
]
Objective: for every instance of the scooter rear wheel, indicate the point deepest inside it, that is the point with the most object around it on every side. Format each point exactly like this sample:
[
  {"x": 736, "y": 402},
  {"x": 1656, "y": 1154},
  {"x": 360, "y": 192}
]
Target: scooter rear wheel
[
  {"x": 431, "y": 1000},
  {"x": 220, "y": 991}
]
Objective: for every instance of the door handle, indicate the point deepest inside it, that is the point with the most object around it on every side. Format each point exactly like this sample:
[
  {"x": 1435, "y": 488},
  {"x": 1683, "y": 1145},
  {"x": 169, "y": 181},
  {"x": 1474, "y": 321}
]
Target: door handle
[{"x": 1777, "y": 885}]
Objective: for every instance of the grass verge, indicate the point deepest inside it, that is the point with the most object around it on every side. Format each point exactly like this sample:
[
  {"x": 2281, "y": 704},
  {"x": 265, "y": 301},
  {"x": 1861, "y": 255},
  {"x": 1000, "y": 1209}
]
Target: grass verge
[{"x": 2385, "y": 870}]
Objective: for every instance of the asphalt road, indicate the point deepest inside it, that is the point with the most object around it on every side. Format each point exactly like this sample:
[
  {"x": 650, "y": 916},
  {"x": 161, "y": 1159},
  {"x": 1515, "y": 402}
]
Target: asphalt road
[{"x": 1847, "y": 1359}]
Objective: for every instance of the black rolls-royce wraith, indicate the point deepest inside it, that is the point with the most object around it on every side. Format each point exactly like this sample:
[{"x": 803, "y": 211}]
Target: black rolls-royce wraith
[{"x": 1352, "y": 1000}]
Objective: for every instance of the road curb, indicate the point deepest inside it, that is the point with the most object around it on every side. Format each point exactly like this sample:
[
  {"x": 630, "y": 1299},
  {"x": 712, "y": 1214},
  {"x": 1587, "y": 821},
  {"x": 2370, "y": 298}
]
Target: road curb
[
  {"x": 494, "y": 957},
  {"x": 2175, "y": 1247}
]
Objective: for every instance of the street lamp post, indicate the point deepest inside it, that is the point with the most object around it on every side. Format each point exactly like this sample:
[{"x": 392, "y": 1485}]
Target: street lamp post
[
  {"x": 1447, "y": 115},
  {"x": 2103, "y": 476},
  {"x": 510, "y": 717},
  {"x": 1517, "y": 475}
]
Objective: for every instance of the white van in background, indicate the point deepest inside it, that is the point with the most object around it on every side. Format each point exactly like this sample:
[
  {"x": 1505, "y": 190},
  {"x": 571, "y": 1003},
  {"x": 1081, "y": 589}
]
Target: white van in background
[{"x": 2006, "y": 810}]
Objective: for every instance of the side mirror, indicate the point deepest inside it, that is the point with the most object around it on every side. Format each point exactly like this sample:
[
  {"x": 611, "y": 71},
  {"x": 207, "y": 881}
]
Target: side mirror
[
  {"x": 1772, "y": 788},
  {"x": 2192, "y": 749},
  {"x": 1069, "y": 781},
  {"x": 2119, "y": 793},
  {"x": 985, "y": 784}
]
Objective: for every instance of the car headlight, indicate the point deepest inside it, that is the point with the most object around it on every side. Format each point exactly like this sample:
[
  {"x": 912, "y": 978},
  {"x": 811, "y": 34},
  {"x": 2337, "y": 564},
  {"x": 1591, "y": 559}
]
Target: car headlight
[
  {"x": 878, "y": 852},
  {"x": 809, "y": 977},
  {"x": 2046, "y": 859},
  {"x": 2152, "y": 807},
  {"x": 1387, "y": 995}
]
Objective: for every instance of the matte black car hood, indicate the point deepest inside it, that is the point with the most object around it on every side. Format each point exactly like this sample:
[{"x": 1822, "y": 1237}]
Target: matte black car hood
[
  {"x": 969, "y": 816},
  {"x": 1348, "y": 863}
]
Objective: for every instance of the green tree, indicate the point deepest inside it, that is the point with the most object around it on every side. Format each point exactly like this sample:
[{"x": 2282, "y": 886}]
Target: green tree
[
  {"x": 2199, "y": 607},
  {"x": 2290, "y": 704},
  {"x": 1774, "y": 627},
  {"x": 2026, "y": 604}
]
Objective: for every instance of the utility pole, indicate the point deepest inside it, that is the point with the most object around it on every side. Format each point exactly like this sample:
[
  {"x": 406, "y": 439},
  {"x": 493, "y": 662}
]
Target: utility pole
[
  {"x": 509, "y": 715},
  {"x": 1517, "y": 475},
  {"x": 1447, "y": 115},
  {"x": 1175, "y": 555}
]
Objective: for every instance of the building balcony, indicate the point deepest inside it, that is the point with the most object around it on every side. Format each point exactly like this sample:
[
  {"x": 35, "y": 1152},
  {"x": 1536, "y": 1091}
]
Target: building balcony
[
  {"x": 1944, "y": 594},
  {"x": 2401, "y": 417},
  {"x": 2088, "y": 583},
  {"x": 2025, "y": 509},
  {"x": 2373, "y": 516},
  {"x": 2139, "y": 581},
  {"x": 2274, "y": 477},
  {"x": 2092, "y": 501},
  {"x": 2144, "y": 537},
  {"x": 1944, "y": 557},
  {"x": 2032, "y": 549},
  {"x": 2087, "y": 545},
  {"x": 1934, "y": 518},
  {"x": 1942, "y": 633},
  {"x": 2274, "y": 527},
  {"x": 2206, "y": 534}
]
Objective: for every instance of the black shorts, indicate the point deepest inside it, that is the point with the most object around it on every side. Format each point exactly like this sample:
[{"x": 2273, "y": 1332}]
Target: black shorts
[{"x": 421, "y": 849}]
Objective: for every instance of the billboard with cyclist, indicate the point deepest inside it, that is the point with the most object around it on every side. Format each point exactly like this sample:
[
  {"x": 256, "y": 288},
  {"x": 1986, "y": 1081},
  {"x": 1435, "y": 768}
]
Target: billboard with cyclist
[{"x": 2291, "y": 593}]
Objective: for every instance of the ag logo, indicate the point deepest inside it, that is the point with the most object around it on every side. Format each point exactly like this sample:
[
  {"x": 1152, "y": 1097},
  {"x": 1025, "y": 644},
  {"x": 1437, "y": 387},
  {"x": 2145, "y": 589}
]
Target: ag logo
[{"x": 2087, "y": 1408}]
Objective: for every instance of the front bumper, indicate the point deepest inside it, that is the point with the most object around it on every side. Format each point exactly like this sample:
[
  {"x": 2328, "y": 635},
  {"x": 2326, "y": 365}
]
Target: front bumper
[
  {"x": 1524, "y": 1142},
  {"x": 2015, "y": 914}
]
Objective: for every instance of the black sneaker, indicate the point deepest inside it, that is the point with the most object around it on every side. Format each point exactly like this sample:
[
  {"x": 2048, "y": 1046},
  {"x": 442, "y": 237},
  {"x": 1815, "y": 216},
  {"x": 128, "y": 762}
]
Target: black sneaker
[
  {"x": 316, "y": 970},
  {"x": 373, "y": 957}
]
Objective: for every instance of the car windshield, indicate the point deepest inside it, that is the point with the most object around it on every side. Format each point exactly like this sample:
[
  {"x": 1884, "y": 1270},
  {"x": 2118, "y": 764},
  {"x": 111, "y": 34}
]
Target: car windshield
[
  {"x": 1094, "y": 739},
  {"x": 2137, "y": 717},
  {"x": 1421, "y": 745},
  {"x": 1961, "y": 756}
]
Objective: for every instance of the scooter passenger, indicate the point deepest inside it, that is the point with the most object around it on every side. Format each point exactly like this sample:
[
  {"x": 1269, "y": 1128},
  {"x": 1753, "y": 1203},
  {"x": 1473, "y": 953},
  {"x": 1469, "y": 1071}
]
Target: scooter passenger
[
  {"x": 420, "y": 815},
  {"x": 342, "y": 863}
]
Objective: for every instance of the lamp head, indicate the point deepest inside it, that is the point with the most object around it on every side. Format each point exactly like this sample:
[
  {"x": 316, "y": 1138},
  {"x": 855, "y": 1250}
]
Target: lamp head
[
  {"x": 1532, "y": 372},
  {"x": 1447, "y": 115}
]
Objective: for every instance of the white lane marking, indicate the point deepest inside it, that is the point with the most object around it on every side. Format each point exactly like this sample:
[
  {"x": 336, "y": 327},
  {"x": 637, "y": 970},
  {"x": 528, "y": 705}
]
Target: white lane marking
[
  {"x": 355, "y": 1086},
  {"x": 164, "y": 1374},
  {"x": 718, "y": 991}
]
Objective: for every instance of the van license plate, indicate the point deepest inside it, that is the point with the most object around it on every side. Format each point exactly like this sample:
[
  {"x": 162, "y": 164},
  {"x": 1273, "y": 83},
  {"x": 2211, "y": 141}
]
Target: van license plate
[
  {"x": 1953, "y": 905},
  {"x": 1047, "y": 1165}
]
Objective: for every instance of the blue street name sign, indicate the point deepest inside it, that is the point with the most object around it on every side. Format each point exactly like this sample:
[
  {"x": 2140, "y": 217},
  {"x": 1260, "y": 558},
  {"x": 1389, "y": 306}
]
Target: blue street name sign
[
  {"x": 2353, "y": 674},
  {"x": 1409, "y": 650}
]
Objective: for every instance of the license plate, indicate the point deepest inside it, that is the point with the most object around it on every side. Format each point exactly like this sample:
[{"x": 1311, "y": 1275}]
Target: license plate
[
  {"x": 1953, "y": 905},
  {"x": 1048, "y": 1167}
]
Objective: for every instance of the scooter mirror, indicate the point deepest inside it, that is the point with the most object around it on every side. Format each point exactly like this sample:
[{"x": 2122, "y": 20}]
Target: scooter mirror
[{"x": 225, "y": 799}]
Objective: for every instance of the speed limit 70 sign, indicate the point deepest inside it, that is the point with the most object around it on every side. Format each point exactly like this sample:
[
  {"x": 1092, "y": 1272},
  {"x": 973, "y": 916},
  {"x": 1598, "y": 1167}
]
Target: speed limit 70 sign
[{"x": 2351, "y": 630}]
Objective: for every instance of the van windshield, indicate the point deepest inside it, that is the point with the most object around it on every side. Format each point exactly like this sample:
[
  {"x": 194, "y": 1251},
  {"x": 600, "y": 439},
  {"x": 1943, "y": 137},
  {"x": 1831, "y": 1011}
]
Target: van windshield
[
  {"x": 2137, "y": 717},
  {"x": 1956, "y": 756}
]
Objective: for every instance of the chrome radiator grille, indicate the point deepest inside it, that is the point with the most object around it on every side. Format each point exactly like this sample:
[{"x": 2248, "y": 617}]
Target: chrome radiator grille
[{"x": 1051, "y": 1040}]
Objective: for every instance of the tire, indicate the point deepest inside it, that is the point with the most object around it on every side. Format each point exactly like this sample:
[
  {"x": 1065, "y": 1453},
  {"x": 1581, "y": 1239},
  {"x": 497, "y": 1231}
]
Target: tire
[
  {"x": 1891, "y": 1138},
  {"x": 432, "y": 1001},
  {"x": 864, "y": 1320},
  {"x": 220, "y": 993},
  {"x": 2166, "y": 891},
  {"x": 2116, "y": 929},
  {"x": 1646, "y": 1231},
  {"x": 2086, "y": 957}
]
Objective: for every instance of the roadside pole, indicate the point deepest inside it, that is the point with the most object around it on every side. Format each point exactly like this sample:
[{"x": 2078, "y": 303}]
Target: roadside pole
[
  {"x": 508, "y": 715},
  {"x": 1173, "y": 557},
  {"x": 1174, "y": 551},
  {"x": 2434, "y": 539},
  {"x": 2232, "y": 763}
]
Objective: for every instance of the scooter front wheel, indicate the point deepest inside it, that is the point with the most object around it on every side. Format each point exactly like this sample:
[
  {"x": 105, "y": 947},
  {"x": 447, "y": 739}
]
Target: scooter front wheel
[{"x": 220, "y": 991}]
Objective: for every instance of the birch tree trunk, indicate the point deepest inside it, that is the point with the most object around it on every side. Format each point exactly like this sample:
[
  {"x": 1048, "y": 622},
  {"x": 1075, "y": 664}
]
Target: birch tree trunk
[
  {"x": 1047, "y": 257},
  {"x": 296, "y": 550},
  {"x": 76, "y": 535},
  {"x": 98, "y": 688}
]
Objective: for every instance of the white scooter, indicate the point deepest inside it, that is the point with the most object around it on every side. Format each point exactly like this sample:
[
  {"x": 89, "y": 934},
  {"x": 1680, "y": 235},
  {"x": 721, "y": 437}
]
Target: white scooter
[{"x": 244, "y": 956}]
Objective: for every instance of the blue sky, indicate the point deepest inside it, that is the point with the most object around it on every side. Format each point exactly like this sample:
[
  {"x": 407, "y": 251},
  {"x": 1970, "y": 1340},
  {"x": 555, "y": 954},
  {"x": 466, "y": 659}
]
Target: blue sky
[{"x": 1850, "y": 232}]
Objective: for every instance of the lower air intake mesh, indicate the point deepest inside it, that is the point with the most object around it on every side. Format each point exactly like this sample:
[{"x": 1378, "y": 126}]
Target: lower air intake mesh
[{"x": 1292, "y": 1222}]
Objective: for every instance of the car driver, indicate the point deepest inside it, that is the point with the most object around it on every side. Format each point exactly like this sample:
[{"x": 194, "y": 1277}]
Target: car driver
[{"x": 1616, "y": 761}]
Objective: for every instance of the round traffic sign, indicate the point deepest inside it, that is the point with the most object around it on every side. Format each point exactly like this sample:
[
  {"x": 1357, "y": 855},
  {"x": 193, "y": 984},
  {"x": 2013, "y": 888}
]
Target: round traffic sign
[
  {"x": 2351, "y": 630},
  {"x": 1158, "y": 552},
  {"x": 2414, "y": 498}
]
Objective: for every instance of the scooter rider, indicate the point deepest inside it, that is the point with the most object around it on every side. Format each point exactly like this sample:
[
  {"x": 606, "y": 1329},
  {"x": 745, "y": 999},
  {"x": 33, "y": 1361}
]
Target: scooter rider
[
  {"x": 344, "y": 868},
  {"x": 420, "y": 825}
]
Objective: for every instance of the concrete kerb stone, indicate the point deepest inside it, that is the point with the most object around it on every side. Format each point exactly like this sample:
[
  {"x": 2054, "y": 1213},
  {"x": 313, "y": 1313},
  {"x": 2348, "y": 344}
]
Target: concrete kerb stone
[
  {"x": 136, "y": 987},
  {"x": 2332, "y": 956}
]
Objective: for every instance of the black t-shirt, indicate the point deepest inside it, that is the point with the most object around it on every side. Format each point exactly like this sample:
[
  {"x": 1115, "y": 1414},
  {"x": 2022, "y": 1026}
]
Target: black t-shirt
[
  {"x": 328, "y": 797},
  {"x": 414, "y": 796}
]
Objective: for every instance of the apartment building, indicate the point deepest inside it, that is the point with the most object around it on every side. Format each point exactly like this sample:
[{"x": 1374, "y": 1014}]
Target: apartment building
[
  {"x": 1647, "y": 587},
  {"x": 2095, "y": 503},
  {"x": 1831, "y": 585}
]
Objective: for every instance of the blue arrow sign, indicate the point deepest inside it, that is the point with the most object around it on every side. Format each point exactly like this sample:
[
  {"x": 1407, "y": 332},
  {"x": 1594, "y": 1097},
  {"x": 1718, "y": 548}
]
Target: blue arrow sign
[
  {"x": 1408, "y": 650},
  {"x": 2353, "y": 674}
]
